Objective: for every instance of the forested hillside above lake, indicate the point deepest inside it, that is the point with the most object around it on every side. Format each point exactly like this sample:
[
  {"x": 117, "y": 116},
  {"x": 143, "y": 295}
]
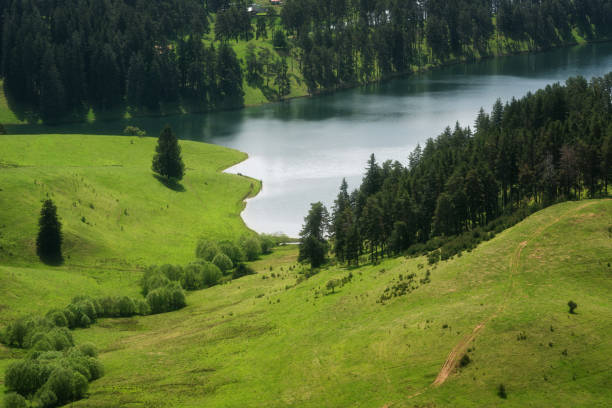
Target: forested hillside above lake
[
  {"x": 549, "y": 146},
  {"x": 71, "y": 59}
]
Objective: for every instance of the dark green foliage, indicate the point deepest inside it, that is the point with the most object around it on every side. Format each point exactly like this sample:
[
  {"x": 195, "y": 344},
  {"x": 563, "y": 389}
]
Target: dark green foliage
[
  {"x": 501, "y": 391},
  {"x": 252, "y": 248},
  {"x": 2, "y": 129},
  {"x": 59, "y": 59},
  {"x": 279, "y": 39},
  {"x": 197, "y": 275},
  {"x": 242, "y": 270},
  {"x": 572, "y": 306},
  {"x": 14, "y": 400},
  {"x": 210, "y": 273},
  {"x": 233, "y": 251},
  {"x": 167, "y": 161},
  {"x": 313, "y": 245},
  {"x": 166, "y": 298},
  {"x": 49, "y": 239},
  {"x": 207, "y": 250},
  {"x": 25, "y": 377},
  {"x": 223, "y": 262},
  {"x": 465, "y": 187},
  {"x": 134, "y": 131},
  {"x": 465, "y": 360}
]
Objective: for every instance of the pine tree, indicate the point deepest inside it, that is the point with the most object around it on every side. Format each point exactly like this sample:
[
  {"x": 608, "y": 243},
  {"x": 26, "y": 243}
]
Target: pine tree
[
  {"x": 52, "y": 94},
  {"x": 313, "y": 246},
  {"x": 49, "y": 240},
  {"x": 167, "y": 161}
]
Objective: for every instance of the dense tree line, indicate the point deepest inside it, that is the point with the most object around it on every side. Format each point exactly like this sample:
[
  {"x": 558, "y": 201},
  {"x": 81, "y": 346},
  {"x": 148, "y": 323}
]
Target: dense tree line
[
  {"x": 61, "y": 58},
  {"x": 551, "y": 145},
  {"x": 343, "y": 42}
]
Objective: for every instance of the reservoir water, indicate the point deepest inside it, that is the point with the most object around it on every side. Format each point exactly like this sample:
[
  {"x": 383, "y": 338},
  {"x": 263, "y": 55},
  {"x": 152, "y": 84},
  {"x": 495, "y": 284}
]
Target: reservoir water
[{"x": 302, "y": 149}]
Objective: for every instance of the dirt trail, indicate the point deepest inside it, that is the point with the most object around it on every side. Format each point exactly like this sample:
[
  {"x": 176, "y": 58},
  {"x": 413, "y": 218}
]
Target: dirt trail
[{"x": 457, "y": 352}]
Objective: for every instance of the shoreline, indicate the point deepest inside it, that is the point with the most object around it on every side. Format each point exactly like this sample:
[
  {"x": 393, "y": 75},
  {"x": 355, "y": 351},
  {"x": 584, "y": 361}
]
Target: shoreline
[{"x": 406, "y": 74}]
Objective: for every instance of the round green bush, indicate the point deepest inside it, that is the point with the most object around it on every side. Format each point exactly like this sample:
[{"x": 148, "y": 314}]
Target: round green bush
[
  {"x": 14, "y": 400},
  {"x": 172, "y": 272},
  {"x": 67, "y": 385},
  {"x": 207, "y": 250},
  {"x": 223, "y": 262},
  {"x": 88, "y": 349},
  {"x": 192, "y": 277},
  {"x": 46, "y": 398},
  {"x": 252, "y": 248},
  {"x": 126, "y": 306},
  {"x": 24, "y": 377},
  {"x": 232, "y": 250},
  {"x": 210, "y": 274},
  {"x": 152, "y": 281},
  {"x": 58, "y": 318},
  {"x": 85, "y": 321}
]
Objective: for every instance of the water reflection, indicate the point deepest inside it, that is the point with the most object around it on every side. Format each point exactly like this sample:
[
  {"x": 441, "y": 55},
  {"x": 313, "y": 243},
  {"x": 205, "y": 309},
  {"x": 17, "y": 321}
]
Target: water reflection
[{"x": 302, "y": 149}]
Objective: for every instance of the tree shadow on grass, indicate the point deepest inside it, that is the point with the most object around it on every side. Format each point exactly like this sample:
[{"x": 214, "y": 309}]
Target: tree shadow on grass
[
  {"x": 171, "y": 183},
  {"x": 52, "y": 260}
]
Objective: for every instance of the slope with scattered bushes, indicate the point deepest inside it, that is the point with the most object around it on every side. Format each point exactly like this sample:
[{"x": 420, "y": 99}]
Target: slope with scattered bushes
[{"x": 286, "y": 336}]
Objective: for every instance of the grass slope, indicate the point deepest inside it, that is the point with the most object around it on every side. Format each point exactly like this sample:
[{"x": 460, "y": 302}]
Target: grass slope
[
  {"x": 275, "y": 342},
  {"x": 115, "y": 213}
]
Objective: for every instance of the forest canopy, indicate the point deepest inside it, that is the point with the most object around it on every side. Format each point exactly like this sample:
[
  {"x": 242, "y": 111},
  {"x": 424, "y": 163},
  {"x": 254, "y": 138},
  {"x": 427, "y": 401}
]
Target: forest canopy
[
  {"x": 62, "y": 59},
  {"x": 549, "y": 146}
]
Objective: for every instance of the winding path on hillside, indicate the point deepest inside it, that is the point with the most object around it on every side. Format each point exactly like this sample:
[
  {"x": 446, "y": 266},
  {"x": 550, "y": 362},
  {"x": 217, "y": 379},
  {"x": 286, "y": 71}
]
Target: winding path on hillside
[{"x": 460, "y": 348}]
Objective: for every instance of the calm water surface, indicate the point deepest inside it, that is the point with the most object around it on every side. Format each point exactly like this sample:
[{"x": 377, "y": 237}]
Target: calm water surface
[{"x": 302, "y": 149}]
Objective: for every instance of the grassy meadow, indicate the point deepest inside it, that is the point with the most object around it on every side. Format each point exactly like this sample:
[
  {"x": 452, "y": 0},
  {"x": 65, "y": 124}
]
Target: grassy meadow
[
  {"x": 272, "y": 339},
  {"x": 115, "y": 213}
]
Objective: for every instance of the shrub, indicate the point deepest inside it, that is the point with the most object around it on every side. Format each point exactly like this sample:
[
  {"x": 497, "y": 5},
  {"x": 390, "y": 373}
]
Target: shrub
[
  {"x": 501, "y": 391},
  {"x": 192, "y": 277},
  {"x": 2, "y": 129},
  {"x": 572, "y": 306},
  {"x": 88, "y": 349},
  {"x": 210, "y": 274},
  {"x": 223, "y": 262},
  {"x": 134, "y": 131},
  {"x": 126, "y": 306},
  {"x": 332, "y": 284},
  {"x": 46, "y": 398},
  {"x": 433, "y": 257},
  {"x": 267, "y": 243},
  {"x": 206, "y": 250},
  {"x": 252, "y": 248},
  {"x": 67, "y": 385},
  {"x": 242, "y": 270},
  {"x": 24, "y": 377},
  {"x": 152, "y": 280},
  {"x": 172, "y": 272},
  {"x": 58, "y": 317},
  {"x": 167, "y": 298},
  {"x": 15, "y": 333},
  {"x": 14, "y": 400},
  {"x": 465, "y": 360},
  {"x": 232, "y": 250}
]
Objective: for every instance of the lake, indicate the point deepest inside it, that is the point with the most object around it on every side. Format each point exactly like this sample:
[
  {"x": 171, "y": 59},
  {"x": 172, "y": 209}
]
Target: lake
[{"x": 302, "y": 149}]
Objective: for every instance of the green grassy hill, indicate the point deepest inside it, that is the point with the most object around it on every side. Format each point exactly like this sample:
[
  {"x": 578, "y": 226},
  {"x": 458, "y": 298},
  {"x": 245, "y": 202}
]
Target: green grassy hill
[
  {"x": 115, "y": 213},
  {"x": 272, "y": 340}
]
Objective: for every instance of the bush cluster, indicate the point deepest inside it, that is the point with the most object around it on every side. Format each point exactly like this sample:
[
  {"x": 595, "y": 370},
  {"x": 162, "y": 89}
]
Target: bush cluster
[
  {"x": 134, "y": 131},
  {"x": 51, "y": 331},
  {"x": 196, "y": 275},
  {"x": 248, "y": 248},
  {"x": 51, "y": 378},
  {"x": 443, "y": 248}
]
